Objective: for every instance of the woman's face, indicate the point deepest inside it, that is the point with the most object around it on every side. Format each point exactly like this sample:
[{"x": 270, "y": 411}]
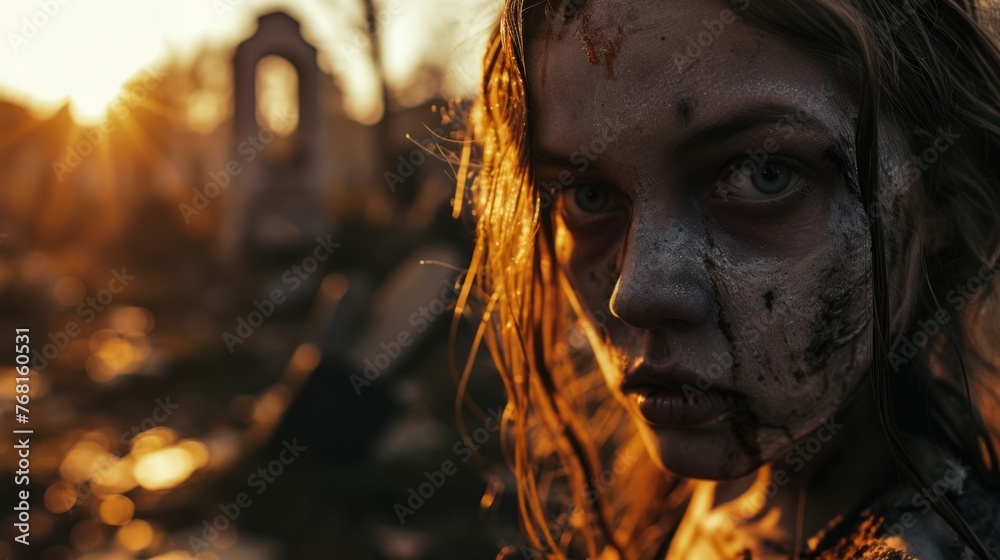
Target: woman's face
[{"x": 706, "y": 201}]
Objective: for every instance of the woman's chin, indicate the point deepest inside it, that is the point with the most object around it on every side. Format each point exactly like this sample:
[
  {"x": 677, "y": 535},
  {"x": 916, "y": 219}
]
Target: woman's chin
[{"x": 700, "y": 454}]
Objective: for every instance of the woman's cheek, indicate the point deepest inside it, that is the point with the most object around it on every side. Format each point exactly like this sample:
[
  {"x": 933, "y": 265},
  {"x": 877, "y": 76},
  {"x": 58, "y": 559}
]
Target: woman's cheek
[
  {"x": 592, "y": 260},
  {"x": 794, "y": 322}
]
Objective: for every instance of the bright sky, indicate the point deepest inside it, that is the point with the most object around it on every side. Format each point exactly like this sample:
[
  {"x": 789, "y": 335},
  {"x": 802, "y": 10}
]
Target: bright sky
[{"x": 83, "y": 50}]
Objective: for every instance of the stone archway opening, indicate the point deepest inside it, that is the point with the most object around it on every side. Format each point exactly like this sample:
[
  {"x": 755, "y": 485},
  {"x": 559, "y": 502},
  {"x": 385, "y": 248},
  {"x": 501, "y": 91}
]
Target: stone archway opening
[{"x": 277, "y": 86}]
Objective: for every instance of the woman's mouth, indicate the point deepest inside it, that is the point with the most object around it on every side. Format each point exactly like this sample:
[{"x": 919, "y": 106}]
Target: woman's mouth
[{"x": 683, "y": 407}]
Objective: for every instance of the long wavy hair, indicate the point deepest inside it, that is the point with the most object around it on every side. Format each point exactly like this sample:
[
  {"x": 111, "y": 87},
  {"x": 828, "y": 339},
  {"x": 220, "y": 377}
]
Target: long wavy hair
[{"x": 584, "y": 483}]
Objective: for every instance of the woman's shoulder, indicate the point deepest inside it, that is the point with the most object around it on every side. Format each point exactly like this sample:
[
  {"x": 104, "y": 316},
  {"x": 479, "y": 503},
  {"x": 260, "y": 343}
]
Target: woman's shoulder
[
  {"x": 902, "y": 523},
  {"x": 979, "y": 505}
]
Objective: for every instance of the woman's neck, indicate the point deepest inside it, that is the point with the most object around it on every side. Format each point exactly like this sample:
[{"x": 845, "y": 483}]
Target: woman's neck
[{"x": 832, "y": 472}]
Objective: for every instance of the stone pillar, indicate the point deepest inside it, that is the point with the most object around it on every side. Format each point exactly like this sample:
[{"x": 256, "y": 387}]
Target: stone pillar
[{"x": 275, "y": 205}]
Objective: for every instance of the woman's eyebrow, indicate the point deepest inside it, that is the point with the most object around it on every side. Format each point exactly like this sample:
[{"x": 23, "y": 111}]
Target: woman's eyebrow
[
  {"x": 750, "y": 117},
  {"x": 570, "y": 8},
  {"x": 747, "y": 118},
  {"x": 545, "y": 157}
]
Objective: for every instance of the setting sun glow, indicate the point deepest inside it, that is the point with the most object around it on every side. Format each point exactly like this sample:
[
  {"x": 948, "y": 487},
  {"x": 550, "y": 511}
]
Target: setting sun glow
[
  {"x": 83, "y": 52},
  {"x": 75, "y": 52}
]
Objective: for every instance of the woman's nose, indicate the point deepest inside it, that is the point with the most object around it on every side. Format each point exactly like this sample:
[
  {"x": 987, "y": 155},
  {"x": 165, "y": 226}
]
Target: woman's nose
[{"x": 665, "y": 280}]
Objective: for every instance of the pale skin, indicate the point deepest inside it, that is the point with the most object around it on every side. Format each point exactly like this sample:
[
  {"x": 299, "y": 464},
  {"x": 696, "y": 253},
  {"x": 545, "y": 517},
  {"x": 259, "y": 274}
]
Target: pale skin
[{"x": 756, "y": 281}]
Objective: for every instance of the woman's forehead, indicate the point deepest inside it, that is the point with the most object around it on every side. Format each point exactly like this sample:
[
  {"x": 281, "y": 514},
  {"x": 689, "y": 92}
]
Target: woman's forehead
[{"x": 637, "y": 68}]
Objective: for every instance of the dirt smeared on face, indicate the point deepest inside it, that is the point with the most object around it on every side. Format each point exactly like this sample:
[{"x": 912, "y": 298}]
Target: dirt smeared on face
[
  {"x": 721, "y": 320},
  {"x": 685, "y": 109},
  {"x": 571, "y": 7},
  {"x": 803, "y": 347}
]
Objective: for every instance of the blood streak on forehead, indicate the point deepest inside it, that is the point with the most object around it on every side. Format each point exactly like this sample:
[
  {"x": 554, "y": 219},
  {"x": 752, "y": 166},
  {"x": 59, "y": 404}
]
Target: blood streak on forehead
[
  {"x": 598, "y": 27},
  {"x": 602, "y": 43}
]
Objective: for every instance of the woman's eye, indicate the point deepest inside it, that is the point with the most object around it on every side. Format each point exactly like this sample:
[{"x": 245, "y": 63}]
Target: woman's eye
[
  {"x": 591, "y": 199},
  {"x": 758, "y": 182},
  {"x": 772, "y": 179},
  {"x": 587, "y": 201}
]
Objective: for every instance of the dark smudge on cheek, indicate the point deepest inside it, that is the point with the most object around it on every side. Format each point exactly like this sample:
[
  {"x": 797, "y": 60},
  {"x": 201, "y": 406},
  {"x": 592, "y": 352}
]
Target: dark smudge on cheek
[
  {"x": 745, "y": 426},
  {"x": 722, "y": 320},
  {"x": 685, "y": 107},
  {"x": 843, "y": 314},
  {"x": 835, "y": 321},
  {"x": 794, "y": 325}
]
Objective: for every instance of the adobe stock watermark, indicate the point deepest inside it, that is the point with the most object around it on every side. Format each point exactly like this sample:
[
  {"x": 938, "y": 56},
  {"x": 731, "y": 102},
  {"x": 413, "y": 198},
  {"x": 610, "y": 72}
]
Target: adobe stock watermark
[
  {"x": 897, "y": 17},
  {"x": 293, "y": 280},
  {"x": 724, "y": 359},
  {"x": 595, "y": 487},
  {"x": 220, "y": 179},
  {"x": 121, "y": 109},
  {"x": 229, "y": 512},
  {"x": 927, "y": 329},
  {"x": 917, "y": 164},
  {"x": 575, "y": 337},
  {"x": 924, "y": 499},
  {"x": 88, "y": 310},
  {"x": 362, "y": 40},
  {"x": 224, "y": 7},
  {"x": 795, "y": 460},
  {"x": 105, "y": 468},
  {"x": 581, "y": 159},
  {"x": 920, "y": 163},
  {"x": 714, "y": 29},
  {"x": 161, "y": 413},
  {"x": 31, "y": 26},
  {"x": 407, "y": 164},
  {"x": 419, "y": 320},
  {"x": 784, "y": 129},
  {"x": 417, "y": 496}
]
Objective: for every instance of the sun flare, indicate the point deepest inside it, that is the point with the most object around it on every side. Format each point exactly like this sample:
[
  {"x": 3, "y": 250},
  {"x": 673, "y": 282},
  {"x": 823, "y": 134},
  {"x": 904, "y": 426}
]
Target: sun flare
[{"x": 89, "y": 106}]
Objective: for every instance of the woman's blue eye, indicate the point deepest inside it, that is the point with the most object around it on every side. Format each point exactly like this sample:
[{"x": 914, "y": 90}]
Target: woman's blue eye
[
  {"x": 591, "y": 199},
  {"x": 758, "y": 182},
  {"x": 771, "y": 178}
]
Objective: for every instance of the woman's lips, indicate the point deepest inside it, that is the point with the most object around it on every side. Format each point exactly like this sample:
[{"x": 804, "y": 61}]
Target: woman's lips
[{"x": 672, "y": 408}]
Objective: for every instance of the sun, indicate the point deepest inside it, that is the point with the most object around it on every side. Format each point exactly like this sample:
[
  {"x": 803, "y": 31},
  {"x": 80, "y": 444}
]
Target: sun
[
  {"x": 83, "y": 53},
  {"x": 89, "y": 106}
]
